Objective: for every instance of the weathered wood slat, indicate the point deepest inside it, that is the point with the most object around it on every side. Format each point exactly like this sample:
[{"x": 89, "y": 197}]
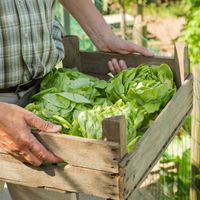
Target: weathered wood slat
[
  {"x": 70, "y": 178},
  {"x": 114, "y": 129},
  {"x": 72, "y": 55},
  {"x": 98, "y": 62},
  {"x": 144, "y": 155},
  {"x": 182, "y": 62},
  {"x": 142, "y": 194},
  {"x": 149, "y": 170},
  {"x": 195, "y": 148},
  {"x": 83, "y": 152}
]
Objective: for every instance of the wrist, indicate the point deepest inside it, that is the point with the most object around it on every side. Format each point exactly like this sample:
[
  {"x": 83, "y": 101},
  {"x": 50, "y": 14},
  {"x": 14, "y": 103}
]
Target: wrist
[{"x": 102, "y": 40}]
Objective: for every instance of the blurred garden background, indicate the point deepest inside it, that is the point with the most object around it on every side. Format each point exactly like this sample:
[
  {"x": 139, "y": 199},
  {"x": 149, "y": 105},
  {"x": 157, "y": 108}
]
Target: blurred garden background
[{"x": 157, "y": 25}]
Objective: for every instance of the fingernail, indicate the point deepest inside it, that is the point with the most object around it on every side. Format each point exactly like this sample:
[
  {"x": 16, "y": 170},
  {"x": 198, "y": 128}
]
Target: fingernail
[
  {"x": 56, "y": 128},
  {"x": 114, "y": 60}
]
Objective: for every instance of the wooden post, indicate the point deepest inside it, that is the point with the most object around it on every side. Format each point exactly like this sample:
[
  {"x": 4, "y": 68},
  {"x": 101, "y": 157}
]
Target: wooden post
[
  {"x": 114, "y": 129},
  {"x": 195, "y": 149},
  {"x": 182, "y": 63},
  {"x": 72, "y": 54}
]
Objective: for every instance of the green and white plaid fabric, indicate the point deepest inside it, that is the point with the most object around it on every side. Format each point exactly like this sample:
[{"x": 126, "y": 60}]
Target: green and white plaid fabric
[{"x": 30, "y": 40}]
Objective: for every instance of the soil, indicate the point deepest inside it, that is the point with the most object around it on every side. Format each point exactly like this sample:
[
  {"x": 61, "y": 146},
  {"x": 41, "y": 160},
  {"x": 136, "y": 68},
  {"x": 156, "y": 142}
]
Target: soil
[{"x": 164, "y": 32}]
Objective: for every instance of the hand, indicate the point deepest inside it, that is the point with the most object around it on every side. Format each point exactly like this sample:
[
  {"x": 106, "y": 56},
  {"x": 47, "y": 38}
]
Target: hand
[
  {"x": 16, "y": 137},
  {"x": 116, "y": 44}
]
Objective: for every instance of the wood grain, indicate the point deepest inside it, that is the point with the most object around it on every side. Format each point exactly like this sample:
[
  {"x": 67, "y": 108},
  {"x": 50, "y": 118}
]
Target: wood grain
[
  {"x": 114, "y": 130},
  {"x": 72, "y": 55},
  {"x": 182, "y": 62},
  {"x": 96, "y": 62},
  {"x": 147, "y": 151},
  {"x": 70, "y": 178},
  {"x": 83, "y": 152},
  {"x": 195, "y": 146},
  {"x": 142, "y": 194}
]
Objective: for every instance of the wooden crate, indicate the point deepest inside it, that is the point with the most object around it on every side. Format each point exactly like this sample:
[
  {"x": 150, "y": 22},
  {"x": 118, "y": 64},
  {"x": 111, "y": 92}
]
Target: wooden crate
[{"x": 104, "y": 168}]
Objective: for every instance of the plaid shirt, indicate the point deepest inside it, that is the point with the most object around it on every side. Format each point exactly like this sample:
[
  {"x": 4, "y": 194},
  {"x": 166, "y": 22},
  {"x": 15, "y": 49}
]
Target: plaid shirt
[{"x": 30, "y": 40}]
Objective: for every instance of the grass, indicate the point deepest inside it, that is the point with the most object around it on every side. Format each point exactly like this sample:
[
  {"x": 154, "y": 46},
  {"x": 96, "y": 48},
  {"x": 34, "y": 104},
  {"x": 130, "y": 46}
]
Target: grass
[{"x": 163, "y": 11}]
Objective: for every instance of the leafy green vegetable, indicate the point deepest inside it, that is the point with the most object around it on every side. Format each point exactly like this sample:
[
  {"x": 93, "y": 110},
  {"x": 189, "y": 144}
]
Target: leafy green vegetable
[
  {"x": 90, "y": 120},
  {"x": 79, "y": 102},
  {"x": 151, "y": 87}
]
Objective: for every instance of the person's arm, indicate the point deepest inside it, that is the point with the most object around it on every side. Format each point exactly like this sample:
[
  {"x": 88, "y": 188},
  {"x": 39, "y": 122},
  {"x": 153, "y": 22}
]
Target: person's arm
[
  {"x": 16, "y": 137},
  {"x": 100, "y": 33}
]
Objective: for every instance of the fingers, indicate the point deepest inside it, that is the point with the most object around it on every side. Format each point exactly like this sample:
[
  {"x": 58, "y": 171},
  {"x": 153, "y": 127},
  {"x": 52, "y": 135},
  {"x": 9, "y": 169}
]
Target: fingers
[
  {"x": 116, "y": 66},
  {"x": 21, "y": 155},
  {"x": 131, "y": 48},
  {"x": 41, "y": 152},
  {"x": 28, "y": 156},
  {"x": 16, "y": 137},
  {"x": 33, "y": 151},
  {"x": 122, "y": 64},
  {"x": 140, "y": 49},
  {"x": 27, "y": 148},
  {"x": 40, "y": 124}
]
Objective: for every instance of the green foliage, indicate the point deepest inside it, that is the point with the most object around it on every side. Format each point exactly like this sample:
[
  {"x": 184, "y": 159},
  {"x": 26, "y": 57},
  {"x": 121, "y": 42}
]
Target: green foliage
[
  {"x": 191, "y": 35},
  {"x": 166, "y": 11},
  {"x": 79, "y": 102},
  {"x": 192, "y": 3},
  {"x": 176, "y": 182}
]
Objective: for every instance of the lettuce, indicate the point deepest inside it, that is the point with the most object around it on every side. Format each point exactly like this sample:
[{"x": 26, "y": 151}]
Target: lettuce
[{"x": 79, "y": 102}]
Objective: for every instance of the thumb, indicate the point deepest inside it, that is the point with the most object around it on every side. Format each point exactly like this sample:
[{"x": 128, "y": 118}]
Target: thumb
[{"x": 41, "y": 124}]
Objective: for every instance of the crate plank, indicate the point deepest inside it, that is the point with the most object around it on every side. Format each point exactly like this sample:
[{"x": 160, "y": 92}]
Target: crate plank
[
  {"x": 83, "y": 152},
  {"x": 149, "y": 170},
  {"x": 143, "y": 156},
  {"x": 195, "y": 150},
  {"x": 114, "y": 129},
  {"x": 72, "y": 55},
  {"x": 80, "y": 152},
  {"x": 96, "y": 62},
  {"x": 182, "y": 62},
  {"x": 70, "y": 178},
  {"x": 142, "y": 194}
]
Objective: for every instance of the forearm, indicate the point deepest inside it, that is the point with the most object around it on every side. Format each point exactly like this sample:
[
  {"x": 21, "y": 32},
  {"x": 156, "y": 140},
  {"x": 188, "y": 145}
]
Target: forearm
[{"x": 90, "y": 19}]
